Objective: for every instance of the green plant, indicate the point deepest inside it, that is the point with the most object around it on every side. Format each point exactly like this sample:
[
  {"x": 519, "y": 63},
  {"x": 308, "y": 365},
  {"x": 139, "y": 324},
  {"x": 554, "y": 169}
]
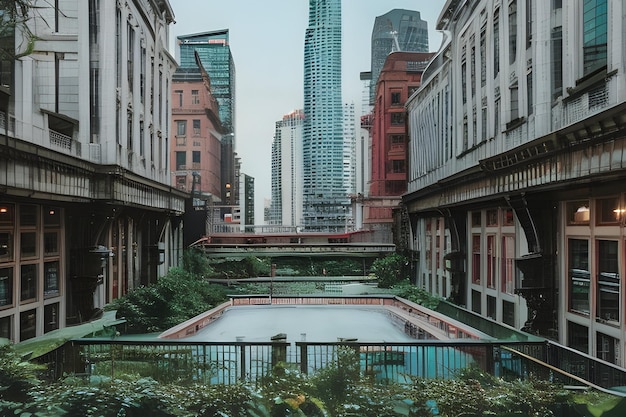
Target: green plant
[{"x": 390, "y": 270}]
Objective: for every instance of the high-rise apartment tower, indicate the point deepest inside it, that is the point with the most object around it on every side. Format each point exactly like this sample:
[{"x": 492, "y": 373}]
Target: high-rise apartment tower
[{"x": 326, "y": 203}]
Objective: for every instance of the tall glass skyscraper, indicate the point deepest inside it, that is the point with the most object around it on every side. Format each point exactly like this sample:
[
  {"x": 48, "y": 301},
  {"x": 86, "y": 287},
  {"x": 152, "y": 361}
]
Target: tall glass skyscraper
[
  {"x": 326, "y": 204},
  {"x": 396, "y": 30}
]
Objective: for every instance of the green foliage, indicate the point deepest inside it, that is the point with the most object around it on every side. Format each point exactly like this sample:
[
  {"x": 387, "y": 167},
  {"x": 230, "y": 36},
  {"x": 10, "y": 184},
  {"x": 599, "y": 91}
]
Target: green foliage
[
  {"x": 173, "y": 299},
  {"x": 17, "y": 377},
  {"x": 391, "y": 270},
  {"x": 196, "y": 263},
  {"x": 338, "y": 390},
  {"x": 249, "y": 267},
  {"x": 417, "y": 295}
]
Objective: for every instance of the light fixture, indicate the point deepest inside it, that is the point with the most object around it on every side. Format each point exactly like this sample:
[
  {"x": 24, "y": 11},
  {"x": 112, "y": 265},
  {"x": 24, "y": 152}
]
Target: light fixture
[{"x": 3, "y": 210}]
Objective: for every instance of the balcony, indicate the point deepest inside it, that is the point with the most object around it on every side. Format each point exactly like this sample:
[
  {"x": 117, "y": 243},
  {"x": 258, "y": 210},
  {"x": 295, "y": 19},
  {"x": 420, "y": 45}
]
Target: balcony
[{"x": 59, "y": 140}]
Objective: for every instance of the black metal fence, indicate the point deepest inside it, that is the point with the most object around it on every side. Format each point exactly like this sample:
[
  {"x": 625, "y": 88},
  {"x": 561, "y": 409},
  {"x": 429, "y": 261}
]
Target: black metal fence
[{"x": 227, "y": 363}]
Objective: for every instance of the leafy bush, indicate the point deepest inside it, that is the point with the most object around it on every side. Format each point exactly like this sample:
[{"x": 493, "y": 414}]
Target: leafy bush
[
  {"x": 390, "y": 270},
  {"x": 173, "y": 299},
  {"x": 417, "y": 295}
]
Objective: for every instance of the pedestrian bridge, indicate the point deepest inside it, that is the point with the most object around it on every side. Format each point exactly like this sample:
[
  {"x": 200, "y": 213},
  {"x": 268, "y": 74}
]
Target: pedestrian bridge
[{"x": 294, "y": 245}]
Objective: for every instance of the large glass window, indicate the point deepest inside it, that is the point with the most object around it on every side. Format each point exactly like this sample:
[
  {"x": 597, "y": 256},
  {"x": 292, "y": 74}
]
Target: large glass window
[
  {"x": 51, "y": 317},
  {"x": 6, "y": 287},
  {"x": 28, "y": 324},
  {"x": 51, "y": 279},
  {"x": 608, "y": 286},
  {"x": 508, "y": 313},
  {"x": 578, "y": 337},
  {"x": 579, "y": 275},
  {"x": 491, "y": 261},
  {"x": 476, "y": 301},
  {"x": 607, "y": 348},
  {"x": 28, "y": 283},
  {"x": 28, "y": 244},
  {"x": 6, "y": 246},
  {"x": 508, "y": 264},
  {"x": 5, "y": 327},
  {"x": 595, "y": 24},
  {"x": 476, "y": 259}
]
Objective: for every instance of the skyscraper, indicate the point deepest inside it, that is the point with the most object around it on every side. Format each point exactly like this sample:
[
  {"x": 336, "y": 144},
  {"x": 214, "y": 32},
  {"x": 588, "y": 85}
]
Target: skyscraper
[
  {"x": 213, "y": 49},
  {"x": 395, "y": 31},
  {"x": 326, "y": 203},
  {"x": 286, "y": 207}
]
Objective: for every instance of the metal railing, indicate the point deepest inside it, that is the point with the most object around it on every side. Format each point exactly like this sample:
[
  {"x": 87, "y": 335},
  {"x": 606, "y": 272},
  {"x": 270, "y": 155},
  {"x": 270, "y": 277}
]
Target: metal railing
[{"x": 231, "y": 362}]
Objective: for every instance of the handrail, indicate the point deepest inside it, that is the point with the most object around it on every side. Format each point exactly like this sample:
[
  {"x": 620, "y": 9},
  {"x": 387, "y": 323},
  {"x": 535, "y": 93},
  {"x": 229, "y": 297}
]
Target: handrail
[{"x": 565, "y": 373}]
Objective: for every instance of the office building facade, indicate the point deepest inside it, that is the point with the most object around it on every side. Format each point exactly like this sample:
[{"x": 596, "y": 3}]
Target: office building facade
[
  {"x": 286, "y": 176},
  {"x": 87, "y": 211},
  {"x": 213, "y": 50},
  {"x": 516, "y": 176},
  {"x": 326, "y": 203}
]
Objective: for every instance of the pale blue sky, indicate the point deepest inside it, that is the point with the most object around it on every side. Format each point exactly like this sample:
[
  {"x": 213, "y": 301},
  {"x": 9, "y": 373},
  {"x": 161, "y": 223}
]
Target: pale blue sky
[{"x": 267, "y": 43}]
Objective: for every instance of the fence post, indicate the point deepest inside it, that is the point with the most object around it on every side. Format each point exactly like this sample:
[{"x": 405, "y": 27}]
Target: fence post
[
  {"x": 242, "y": 360},
  {"x": 304, "y": 362}
]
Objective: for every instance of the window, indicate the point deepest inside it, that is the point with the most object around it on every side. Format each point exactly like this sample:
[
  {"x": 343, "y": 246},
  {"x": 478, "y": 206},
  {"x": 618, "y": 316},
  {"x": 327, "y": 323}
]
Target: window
[
  {"x": 5, "y": 327},
  {"x": 28, "y": 283},
  {"x": 397, "y": 118},
  {"x": 6, "y": 246},
  {"x": 607, "y": 348},
  {"x": 608, "y": 211},
  {"x": 476, "y": 219},
  {"x": 491, "y": 307},
  {"x": 195, "y": 157},
  {"x": 496, "y": 42},
  {"x": 178, "y": 97},
  {"x": 398, "y": 166},
  {"x": 181, "y": 127},
  {"x": 51, "y": 317},
  {"x": 28, "y": 215},
  {"x": 6, "y": 287},
  {"x": 508, "y": 264},
  {"x": 395, "y": 98},
  {"x": 578, "y": 212},
  {"x": 28, "y": 244},
  {"x": 557, "y": 62},
  {"x": 7, "y": 215},
  {"x": 578, "y": 337},
  {"x": 51, "y": 279},
  {"x": 181, "y": 182},
  {"x": 195, "y": 98},
  {"x": 464, "y": 81},
  {"x": 492, "y": 217},
  {"x": 476, "y": 259},
  {"x": 529, "y": 23},
  {"x": 483, "y": 57},
  {"x": 397, "y": 139},
  {"x": 491, "y": 261},
  {"x": 476, "y": 302},
  {"x": 507, "y": 217},
  {"x": 529, "y": 92},
  {"x": 508, "y": 313},
  {"x": 512, "y": 31},
  {"x": 50, "y": 243},
  {"x": 579, "y": 275},
  {"x": 608, "y": 286},
  {"x": 196, "y": 127},
  {"x": 514, "y": 115},
  {"x": 595, "y": 33},
  {"x": 28, "y": 324},
  {"x": 181, "y": 160},
  {"x": 131, "y": 54}
]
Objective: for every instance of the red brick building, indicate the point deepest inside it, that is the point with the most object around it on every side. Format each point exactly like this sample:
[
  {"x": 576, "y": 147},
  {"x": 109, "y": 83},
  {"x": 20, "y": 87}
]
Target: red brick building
[
  {"x": 196, "y": 133},
  {"x": 400, "y": 77}
]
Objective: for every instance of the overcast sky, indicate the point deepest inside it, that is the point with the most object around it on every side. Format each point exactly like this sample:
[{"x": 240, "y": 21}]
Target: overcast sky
[{"x": 267, "y": 43}]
